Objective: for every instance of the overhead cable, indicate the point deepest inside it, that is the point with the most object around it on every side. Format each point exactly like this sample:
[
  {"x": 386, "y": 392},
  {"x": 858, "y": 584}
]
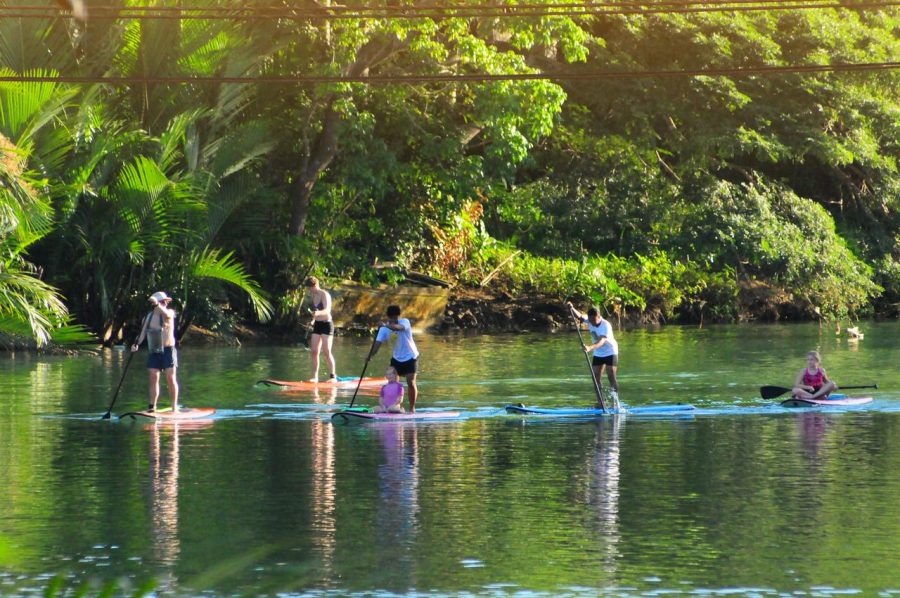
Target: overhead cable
[
  {"x": 762, "y": 70},
  {"x": 445, "y": 11}
]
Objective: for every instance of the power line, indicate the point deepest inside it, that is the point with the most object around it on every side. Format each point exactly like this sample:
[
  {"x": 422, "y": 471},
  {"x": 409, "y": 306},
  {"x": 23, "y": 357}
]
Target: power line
[
  {"x": 448, "y": 11},
  {"x": 467, "y": 77}
]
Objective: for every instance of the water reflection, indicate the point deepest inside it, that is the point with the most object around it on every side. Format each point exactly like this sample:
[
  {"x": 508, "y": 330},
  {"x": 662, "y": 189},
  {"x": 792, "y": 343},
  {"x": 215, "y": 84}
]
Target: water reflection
[
  {"x": 324, "y": 484},
  {"x": 398, "y": 495},
  {"x": 164, "y": 462},
  {"x": 602, "y": 492},
  {"x": 813, "y": 428},
  {"x": 163, "y": 503}
]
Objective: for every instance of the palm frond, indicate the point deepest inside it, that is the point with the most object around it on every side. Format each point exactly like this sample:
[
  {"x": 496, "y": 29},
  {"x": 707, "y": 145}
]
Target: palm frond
[
  {"x": 26, "y": 298},
  {"x": 27, "y": 106},
  {"x": 209, "y": 263}
]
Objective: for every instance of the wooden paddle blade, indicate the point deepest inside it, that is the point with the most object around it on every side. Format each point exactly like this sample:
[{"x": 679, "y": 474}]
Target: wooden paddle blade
[{"x": 770, "y": 392}]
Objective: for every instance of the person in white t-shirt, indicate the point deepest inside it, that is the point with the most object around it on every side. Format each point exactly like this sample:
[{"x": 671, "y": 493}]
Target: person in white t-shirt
[
  {"x": 405, "y": 354},
  {"x": 604, "y": 346}
]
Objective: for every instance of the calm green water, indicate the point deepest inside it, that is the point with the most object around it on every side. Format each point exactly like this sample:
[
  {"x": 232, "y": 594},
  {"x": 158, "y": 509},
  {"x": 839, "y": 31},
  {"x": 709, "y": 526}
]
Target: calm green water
[{"x": 270, "y": 498}]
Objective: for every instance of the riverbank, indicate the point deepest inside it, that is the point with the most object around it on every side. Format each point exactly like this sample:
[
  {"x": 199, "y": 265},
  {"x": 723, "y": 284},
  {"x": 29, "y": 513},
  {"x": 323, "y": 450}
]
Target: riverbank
[
  {"x": 466, "y": 310},
  {"x": 476, "y": 310}
]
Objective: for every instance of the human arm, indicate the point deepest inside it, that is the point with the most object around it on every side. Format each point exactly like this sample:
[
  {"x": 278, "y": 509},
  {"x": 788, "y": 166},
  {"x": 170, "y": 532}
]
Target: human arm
[
  {"x": 579, "y": 315},
  {"x": 381, "y": 336},
  {"x": 599, "y": 335},
  {"x": 325, "y": 301},
  {"x": 141, "y": 336},
  {"x": 593, "y": 347},
  {"x": 397, "y": 326},
  {"x": 798, "y": 382},
  {"x": 167, "y": 313}
]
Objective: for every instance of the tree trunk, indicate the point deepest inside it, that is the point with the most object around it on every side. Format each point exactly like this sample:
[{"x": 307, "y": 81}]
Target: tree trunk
[{"x": 325, "y": 147}]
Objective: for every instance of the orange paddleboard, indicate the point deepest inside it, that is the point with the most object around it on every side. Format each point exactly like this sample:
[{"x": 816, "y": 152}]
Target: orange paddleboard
[{"x": 325, "y": 384}]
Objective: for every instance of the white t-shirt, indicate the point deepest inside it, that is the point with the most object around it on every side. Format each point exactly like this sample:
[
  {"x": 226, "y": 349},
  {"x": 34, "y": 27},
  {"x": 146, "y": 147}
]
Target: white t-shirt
[
  {"x": 404, "y": 346},
  {"x": 610, "y": 347}
]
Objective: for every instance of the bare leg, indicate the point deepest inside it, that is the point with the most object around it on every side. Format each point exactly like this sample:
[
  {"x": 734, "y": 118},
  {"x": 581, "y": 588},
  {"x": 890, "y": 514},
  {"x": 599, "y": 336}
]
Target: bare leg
[
  {"x": 801, "y": 393},
  {"x": 329, "y": 356},
  {"x": 413, "y": 391},
  {"x": 611, "y": 374},
  {"x": 827, "y": 389},
  {"x": 172, "y": 385},
  {"x": 315, "y": 345},
  {"x": 154, "y": 387}
]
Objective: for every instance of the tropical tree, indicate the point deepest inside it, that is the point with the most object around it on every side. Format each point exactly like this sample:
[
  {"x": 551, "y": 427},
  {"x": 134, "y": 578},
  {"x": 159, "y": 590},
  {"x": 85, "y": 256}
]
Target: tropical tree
[{"x": 29, "y": 307}]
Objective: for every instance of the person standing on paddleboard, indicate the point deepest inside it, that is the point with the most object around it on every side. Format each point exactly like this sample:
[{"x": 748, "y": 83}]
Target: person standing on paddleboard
[
  {"x": 604, "y": 346},
  {"x": 323, "y": 328},
  {"x": 159, "y": 330},
  {"x": 405, "y": 355},
  {"x": 812, "y": 382}
]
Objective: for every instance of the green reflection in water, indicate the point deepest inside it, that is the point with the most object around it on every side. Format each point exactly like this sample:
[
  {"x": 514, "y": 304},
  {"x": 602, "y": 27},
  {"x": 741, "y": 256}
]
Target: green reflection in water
[{"x": 270, "y": 497}]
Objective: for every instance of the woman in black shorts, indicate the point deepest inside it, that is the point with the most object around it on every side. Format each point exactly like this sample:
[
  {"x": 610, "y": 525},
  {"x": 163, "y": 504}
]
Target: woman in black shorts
[{"x": 323, "y": 328}]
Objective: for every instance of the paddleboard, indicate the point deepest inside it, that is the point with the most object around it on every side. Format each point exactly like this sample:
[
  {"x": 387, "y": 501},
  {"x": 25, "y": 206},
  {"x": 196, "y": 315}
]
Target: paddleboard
[
  {"x": 340, "y": 383},
  {"x": 168, "y": 414},
  {"x": 592, "y": 412},
  {"x": 347, "y": 417},
  {"x": 837, "y": 401}
]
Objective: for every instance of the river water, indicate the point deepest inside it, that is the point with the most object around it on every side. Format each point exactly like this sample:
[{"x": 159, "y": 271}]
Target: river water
[{"x": 740, "y": 497}]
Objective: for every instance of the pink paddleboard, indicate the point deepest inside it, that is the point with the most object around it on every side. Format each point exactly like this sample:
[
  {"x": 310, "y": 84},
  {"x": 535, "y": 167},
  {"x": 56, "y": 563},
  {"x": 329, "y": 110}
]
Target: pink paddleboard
[{"x": 841, "y": 402}]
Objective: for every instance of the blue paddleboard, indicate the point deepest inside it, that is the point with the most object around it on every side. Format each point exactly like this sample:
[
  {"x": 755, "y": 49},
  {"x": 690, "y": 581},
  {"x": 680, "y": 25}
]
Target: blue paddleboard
[{"x": 570, "y": 411}]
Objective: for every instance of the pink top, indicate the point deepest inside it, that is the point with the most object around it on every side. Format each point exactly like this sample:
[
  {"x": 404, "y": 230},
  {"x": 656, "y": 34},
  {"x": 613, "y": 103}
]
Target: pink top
[
  {"x": 815, "y": 379},
  {"x": 391, "y": 394}
]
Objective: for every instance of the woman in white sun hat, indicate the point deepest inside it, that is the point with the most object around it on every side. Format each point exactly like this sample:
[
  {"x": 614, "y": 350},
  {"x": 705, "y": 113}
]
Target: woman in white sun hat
[{"x": 159, "y": 330}]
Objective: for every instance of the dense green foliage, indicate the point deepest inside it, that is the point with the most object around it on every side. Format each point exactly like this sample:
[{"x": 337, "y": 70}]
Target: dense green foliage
[{"x": 722, "y": 195}]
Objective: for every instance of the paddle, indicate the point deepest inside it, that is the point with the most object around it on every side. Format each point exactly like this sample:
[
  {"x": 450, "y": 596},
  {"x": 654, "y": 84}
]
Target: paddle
[
  {"x": 121, "y": 380},
  {"x": 309, "y": 328},
  {"x": 771, "y": 392},
  {"x": 597, "y": 388},
  {"x": 368, "y": 357}
]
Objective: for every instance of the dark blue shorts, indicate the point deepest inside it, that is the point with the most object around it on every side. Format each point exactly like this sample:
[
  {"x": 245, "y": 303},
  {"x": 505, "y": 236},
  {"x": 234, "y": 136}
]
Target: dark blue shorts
[
  {"x": 607, "y": 360},
  {"x": 163, "y": 361},
  {"x": 404, "y": 367}
]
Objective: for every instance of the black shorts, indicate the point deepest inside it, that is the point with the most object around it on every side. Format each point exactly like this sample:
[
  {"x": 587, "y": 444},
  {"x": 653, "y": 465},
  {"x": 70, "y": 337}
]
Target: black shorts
[
  {"x": 326, "y": 328},
  {"x": 404, "y": 367},
  {"x": 163, "y": 361},
  {"x": 612, "y": 360}
]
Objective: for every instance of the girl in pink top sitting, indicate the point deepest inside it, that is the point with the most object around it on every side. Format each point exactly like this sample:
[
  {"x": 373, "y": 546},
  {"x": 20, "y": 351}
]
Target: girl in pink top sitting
[
  {"x": 391, "y": 394},
  {"x": 812, "y": 381}
]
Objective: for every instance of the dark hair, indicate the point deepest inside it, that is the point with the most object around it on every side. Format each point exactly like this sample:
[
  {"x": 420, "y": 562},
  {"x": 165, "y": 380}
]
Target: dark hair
[
  {"x": 593, "y": 312},
  {"x": 393, "y": 311},
  {"x": 311, "y": 281}
]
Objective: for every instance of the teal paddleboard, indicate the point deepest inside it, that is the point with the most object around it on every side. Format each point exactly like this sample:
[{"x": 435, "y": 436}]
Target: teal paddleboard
[{"x": 589, "y": 412}]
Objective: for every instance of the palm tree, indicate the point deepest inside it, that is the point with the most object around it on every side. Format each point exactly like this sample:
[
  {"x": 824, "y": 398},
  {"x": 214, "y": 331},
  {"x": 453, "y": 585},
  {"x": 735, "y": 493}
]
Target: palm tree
[
  {"x": 143, "y": 180},
  {"x": 29, "y": 307}
]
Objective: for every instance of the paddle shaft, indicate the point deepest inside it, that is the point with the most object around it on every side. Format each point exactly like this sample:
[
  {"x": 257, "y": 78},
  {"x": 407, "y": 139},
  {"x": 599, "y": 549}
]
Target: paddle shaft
[
  {"x": 587, "y": 357},
  {"x": 121, "y": 380},
  {"x": 309, "y": 329},
  {"x": 772, "y": 392},
  {"x": 365, "y": 365}
]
